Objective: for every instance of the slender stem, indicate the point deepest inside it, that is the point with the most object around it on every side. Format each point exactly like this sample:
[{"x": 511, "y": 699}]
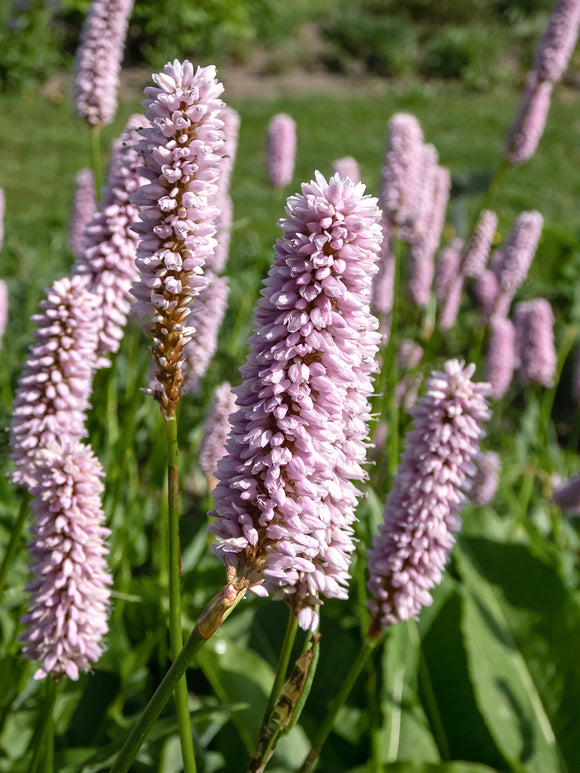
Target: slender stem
[
  {"x": 96, "y": 159},
  {"x": 43, "y": 735},
  {"x": 175, "y": 629},
  {"x": 283, "y": 661},
  {"x": 364, "y": 654},
  {"x": 14, "y": 543},
  {"x": 214, "y": 614}
]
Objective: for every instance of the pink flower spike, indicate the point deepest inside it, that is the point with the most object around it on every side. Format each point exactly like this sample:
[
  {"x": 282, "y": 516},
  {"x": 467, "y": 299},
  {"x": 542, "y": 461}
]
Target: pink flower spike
[
  {"x": 534, "y": 324},
  {"x": 55, "y": 386},
  {"x": 285, "y": 500},
  {"x": 486, "y": 478},
  {"x": 501, "y": 356},
  {"x": 3, "y": 308},
  {"x": 347, "y": 167},
  {"x": 402, "y": 169},
  {"x": 567, "y": 495},
  {"x": 110, "y": 244},
  {"x": 555, "y": 49},
  {"x": 281, "y": 150},
  {"x": 448, "y": 266},
  {"x": 409, "y": 553},
  {"x": 216, "y": 430},
  {"x": 83, "y": 210},
  {"x": 530, "y": 122},
  {"x": 2, "y": 210},
  {"x": 519, "y": 251},
  {"x": 182, "y": 149},
  {"x": 477, "y": 250},
  {"x": 69, "y": 593},
  {"x": 487, "y": 292},
  {"x": 98, "y": 60}
]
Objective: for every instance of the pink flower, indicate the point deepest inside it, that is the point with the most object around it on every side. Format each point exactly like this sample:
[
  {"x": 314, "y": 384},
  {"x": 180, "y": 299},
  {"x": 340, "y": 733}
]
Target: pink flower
[
  {"x": 3, "y": 308},
  {"x": 98, "y": 60},
  {"x": 519, "y": 251},
  {"x": 218, "y": 260},
  {"x": 451, "y": 305},
  {"x": 55, "y": 386},
  {"x": 402, "y": 168},
  {"x": 69, "y": 595},
  {"x": 285, "y": 500},
  {"x": 216, "y": 429},
  {"x": 181, "y": 153},
  {"x": 485, "y": 482},
  {"x": 530, "y": 122},
  {"x": 231, "y": 121},
  {"x": 448, "y": 267},
  {"x": 534, "y": 324},
  {"x": 281, "y": 150},
  {"x": 477, "y": 250},
  {"x": 501, "y": 356},
  {"x": 487, "y": 292},
  {"x": 408, "y": 555},
  {"x": 107, "y": 259},
  {"x": 347, "y": 167},
  {"x": 556, "y": 47},
  {"x": 567, "y": 495},
  {"x": 2, "y": 210},
  {"x": 83, "y": 210},
  {"x": 409, "y": 355}
]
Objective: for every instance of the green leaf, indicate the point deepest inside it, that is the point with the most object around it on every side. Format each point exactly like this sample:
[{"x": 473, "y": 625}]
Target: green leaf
[
  {"x": 425, "y": 767},
  {"x": 504, "y": 688}
]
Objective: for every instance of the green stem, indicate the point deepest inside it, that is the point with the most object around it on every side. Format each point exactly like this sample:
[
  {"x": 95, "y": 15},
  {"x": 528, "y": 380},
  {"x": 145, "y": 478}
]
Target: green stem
[
  {"x": 364, "y": 654},
  {"x": 503, "y": 166},
  {"x": 96, "y": 159},
  {"x": 14, "y": 543},
  {"x": 285, "y": 652},
  {"x": 175, "y": 629},
  {"x": 214, "y": 614},
  {"x": 43, "y": 737}
]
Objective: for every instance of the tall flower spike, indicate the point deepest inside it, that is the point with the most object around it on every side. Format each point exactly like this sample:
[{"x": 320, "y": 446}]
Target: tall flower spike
[
  {"x": 347, "y": 167},
  {"x": 487, "y": 291},
  {"x": 181, "y": 153},
  {"x": 69, "y": 593},
  {"x": 448, "y": 268},
  {"x": 285, "y": 501},
  {"x": 477, "y": 250},
  {"x": 216, "y": 430},
  {"x": 567, "y": 495},
  {"x": 98, "y": 60},
  {"x": 534, "y": 324},
  {"x": 556, "y": 47},
  {"x": 486, "y": 478},
  {"x": 231, "y": 121},
  {"x": 451, "y": 305},
  {"x": 402, "y": 168},
  {"x": 3, "y": 308},
  {"x": 422, "y": 511},
  {"x": 206, "y": 319},
  {"x": 530, "y": 122},
  {"x": 281, "y": 150},
  {"x": 83, "y": 210},
  {"x": 55, "y": 386},
  {"x": 519, "y": 251},
  {"x": 108, "y": 257},
  {"x": 501, "y": 356}
]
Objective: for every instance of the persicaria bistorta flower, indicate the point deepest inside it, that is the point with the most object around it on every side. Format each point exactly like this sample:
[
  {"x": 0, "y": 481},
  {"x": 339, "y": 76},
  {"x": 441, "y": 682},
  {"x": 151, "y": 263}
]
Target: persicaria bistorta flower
[
  {"x": 107, "y": 258},
  {"x": 402, "y": 168},
  {"x": 555, "y": 49},
  {"x": 530, "y": 122},
  {"x": 216, "y": 430},
  {"x": 83, "y": 210},
  {"x": 448, "y": 266},
  {"x": 422, "y": 510},
  {"x": 55, "y": 386},
  {"x": 69, "y": 588},
  {"x": 501, "y": 356},
  {"x": 477, "y": 250},
  {"x": 98, "y": 60},
  {"x": 281, "y": 149},
  {"x": 519, "y": 251},
  {"x": 567, "y": 495},
  {"x": 347, "y": 167},
  {"x": 3, "y": 308},
  {"x": 534, "y": 324},
  {"x": 285, "y": 500},
  {"x": 181, "y": 151},
  {"x": 485, "y": 482},
  {"x": 2, "y": 208}
]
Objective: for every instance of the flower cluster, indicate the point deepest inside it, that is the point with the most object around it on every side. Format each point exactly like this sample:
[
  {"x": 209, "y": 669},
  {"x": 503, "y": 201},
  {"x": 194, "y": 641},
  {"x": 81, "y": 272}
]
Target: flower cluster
[
  {"x": 281, "y": 150},
  {"x": 181, "y": 151},
  {"x": 534, "y": 324},
  {"x": 402, "y": 168},
  {"x": 422, "y": 510},
  {"x": 216, "y": 430},
  {"x": 347, "y": 167},
  {"x": 501, "y": 355},
  {"x": 55, "y": 386},
  {"x": 83, "y": 210},
  {"x": 98, "y": 60},
  {"x": 486, "y": 478},
  {"x": 477, "y": 250},
  {"x": 285, "y": 501},
  {"x": 516, "y": 257},
  {"x": 69, "y": 594},
  {"x": 107, "y": 259}
]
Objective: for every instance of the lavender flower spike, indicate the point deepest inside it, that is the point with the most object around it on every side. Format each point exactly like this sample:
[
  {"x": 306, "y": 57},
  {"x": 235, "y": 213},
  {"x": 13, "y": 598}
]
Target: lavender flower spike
[
  {"x": 555, "y": 49},
  {"x": 534, "y": 324},
  {"x": 477, "y": 250},
  {"x": 55, "y": 386},
  {"x": 486, "y": 478},
  {"x": 69, "y": 602},
  {"x": 567, "y": 495},
  {"x": 422, "y": 510},
  {"x": 501, "y": 356},
  {"x": 216, "y": 430},
  {"x": 347, "y": 167},
  {"x": 108, "y": 257},
  {"x": 448, "y": 268},
  {"x": 402, "y": 168},
  {"x": 181, "y": 152},
  {"x": 285, "y": 501},
  {"x": 519, "y": 251},
  {"x": 281, "y": 150},
  {"x": 83, "y": 210},
  {"x": 98, "y": 60},
  {"x": 530, "y": 122}
]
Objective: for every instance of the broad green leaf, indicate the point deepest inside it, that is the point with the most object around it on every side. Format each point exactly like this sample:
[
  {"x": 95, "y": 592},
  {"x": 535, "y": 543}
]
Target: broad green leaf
[{"x": 503, "y": 686}]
